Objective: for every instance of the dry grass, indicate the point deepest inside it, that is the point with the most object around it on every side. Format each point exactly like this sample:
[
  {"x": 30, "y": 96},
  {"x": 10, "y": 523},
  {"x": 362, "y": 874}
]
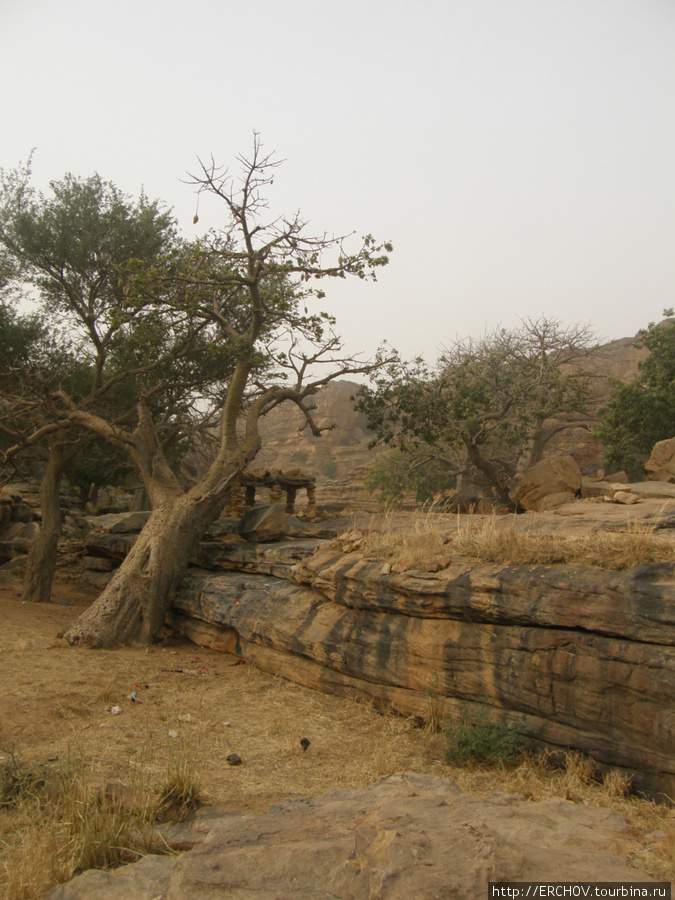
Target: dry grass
[
  {"x": 434, "y": 539},
  {"x": 423, "y": 540},
  {"x": 216, "y": 707},
  {"x": 58, "y": 820},
  {"x": 578, "y": 782}
]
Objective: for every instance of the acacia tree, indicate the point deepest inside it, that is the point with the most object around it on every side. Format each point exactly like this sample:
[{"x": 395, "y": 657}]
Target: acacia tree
[
  {"x": 75, "y": 251},
  {"x": 641, "y": 412},
  {"x": 251, "y": 282},
  {"x": 489, "y": 406}
]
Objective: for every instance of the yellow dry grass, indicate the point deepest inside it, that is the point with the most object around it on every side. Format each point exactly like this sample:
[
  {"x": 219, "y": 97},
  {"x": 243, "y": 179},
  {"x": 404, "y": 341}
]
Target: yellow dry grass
[
  {"x": 434, "y": 539},
  {"x": 193, "y": 708}
]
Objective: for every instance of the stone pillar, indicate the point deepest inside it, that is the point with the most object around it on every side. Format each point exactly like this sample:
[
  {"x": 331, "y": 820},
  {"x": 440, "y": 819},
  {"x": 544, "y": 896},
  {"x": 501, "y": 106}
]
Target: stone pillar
[
  {"x": 290, "y": 500},
  {"x": 276, "y": 493},
  {"x": 249, "y": 497},
  {"x": 311, "y": 500}
]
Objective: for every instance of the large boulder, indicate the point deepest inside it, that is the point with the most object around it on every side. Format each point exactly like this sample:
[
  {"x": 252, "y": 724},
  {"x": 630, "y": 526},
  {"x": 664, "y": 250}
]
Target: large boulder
[
  {"x": 119, "y": 523},
  {"x": 661, "y": 464},
  {"x": 405, "y": 836},
  {"x": 547, "y": 484},
  {"x": 573, "y": 656},
  {"x": 265, "y": 523}
]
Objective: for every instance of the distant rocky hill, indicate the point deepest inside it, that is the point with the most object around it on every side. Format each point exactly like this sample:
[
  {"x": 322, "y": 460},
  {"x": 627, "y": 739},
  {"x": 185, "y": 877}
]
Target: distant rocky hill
[
  {"x": 342, "y": 456},
  {"x": 336, "y": 455}
]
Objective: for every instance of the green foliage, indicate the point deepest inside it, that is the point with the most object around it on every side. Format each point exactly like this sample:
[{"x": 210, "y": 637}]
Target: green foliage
[
  {"x": 329, "y": 468},
  {"x": 476, "y": 739},
  {"x": 396, "y": 473},
  {"x": 642, "y": 412},
  {"x": 486, "y": 402}
]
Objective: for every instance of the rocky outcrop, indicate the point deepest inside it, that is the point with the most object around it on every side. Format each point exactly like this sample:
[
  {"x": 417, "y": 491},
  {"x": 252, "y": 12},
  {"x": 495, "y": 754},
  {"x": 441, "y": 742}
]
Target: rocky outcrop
[
  {"x": 547, "y": 484},
  {"x": 405, "y": 836},
  {"x": 661, "y": 464},
  {"x": 572, "y": 656}
]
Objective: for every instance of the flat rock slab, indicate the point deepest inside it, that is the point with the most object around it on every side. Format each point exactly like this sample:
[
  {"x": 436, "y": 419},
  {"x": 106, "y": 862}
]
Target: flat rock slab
[
  {"x": 572, "y": 656},
  {"x": 407, "y": 836}
]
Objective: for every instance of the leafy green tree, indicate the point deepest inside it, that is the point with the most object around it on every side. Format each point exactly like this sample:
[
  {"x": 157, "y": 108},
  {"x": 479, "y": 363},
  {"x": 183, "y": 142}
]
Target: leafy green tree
[
  {"x": 488, "y": 406},
  {"x": 641, "y": 412},
  {"x": 71, "y": 251},
  {"x": 235, "y": 304},
  {"x": 395, "y": 473}
]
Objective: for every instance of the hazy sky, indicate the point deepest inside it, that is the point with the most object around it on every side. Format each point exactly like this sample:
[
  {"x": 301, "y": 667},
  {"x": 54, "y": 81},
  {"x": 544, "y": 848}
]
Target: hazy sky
[{"x": 518, "y": 153}]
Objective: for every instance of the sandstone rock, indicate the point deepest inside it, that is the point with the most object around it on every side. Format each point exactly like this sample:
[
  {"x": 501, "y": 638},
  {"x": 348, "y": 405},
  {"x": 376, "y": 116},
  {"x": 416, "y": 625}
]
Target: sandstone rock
[
  {"x": 661, "y": 464},
  {"x": 115, "y": 546},
  {"x": 651, "y": 489},
  {"x": 244, "y": 556},
  {"x": 616, "y": 478},
  {"x": 407, "y": 836},
  {"x": 222, "y": 527},
  {"x": 96, "y": 579},
  {"x": 265, "y": 523},
  {"x": 554, "y": 475},
  {"x": 577, "y": 657},
  {"x": 592, "y": 489},
  {"x": 625, "y": 497},
  {"x": 119, "y": 523},
  {"x": 98, "y": 563},
  {"x": 553, "y": 501}
]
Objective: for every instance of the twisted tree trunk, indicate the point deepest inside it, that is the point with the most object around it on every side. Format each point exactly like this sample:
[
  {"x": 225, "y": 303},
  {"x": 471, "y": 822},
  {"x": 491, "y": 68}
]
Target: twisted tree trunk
[{"x": 133, "y": 605}]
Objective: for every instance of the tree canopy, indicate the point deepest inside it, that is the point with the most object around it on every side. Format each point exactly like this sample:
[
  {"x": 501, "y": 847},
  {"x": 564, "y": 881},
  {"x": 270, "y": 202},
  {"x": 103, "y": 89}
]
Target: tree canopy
[
  {"x": 489, "y": 405},
  {"x": 224, "y": 328},
  {"x": 641, "y": 412}
]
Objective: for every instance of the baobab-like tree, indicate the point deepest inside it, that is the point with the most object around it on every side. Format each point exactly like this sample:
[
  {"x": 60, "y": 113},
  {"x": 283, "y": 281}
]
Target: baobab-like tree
[{"x": 249, "y": 287}]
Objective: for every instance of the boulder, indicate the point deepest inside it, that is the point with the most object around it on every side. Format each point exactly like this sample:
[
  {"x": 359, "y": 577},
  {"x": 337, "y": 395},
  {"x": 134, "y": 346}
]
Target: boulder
[
  {"x": 119, "y": 523},
  {"x": 265, "y": 523},
  {"x": 113, "y": 546},
  {"x": 625, "y": 497},
  {"x": 574, "y": 656},
  {"x": 389, "y": 840},
  {"x": 661, "y": 464},
  {"x": 555, "y": 475}
]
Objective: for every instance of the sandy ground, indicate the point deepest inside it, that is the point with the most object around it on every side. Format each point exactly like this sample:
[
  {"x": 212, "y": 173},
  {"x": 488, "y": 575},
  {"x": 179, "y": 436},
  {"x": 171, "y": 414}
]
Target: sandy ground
[{"x": 60, "y": 701}]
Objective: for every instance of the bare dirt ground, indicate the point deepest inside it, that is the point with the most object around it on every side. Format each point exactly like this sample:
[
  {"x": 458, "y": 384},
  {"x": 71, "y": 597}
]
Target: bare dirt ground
[{"x": 58, "y": 702}]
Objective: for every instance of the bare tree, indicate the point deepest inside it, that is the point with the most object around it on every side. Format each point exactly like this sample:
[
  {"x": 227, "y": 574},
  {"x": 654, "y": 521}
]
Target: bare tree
[{"x": 252, "y": 283}]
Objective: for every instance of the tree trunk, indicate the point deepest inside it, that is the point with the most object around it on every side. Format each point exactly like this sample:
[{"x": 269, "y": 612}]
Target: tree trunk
[
  {"x": 41, "y": 562},
  {"x": 133, "y": 605},
  {"x": 491, "y": 473}
]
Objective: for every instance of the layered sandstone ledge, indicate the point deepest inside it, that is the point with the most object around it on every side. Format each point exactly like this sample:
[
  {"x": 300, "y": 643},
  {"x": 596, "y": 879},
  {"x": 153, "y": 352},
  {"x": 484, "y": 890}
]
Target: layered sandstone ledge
[{"x": 575, "y": 657}]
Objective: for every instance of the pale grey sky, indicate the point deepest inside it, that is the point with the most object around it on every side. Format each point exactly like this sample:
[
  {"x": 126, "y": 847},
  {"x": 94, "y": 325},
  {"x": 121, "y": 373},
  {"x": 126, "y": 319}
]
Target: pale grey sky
[{"x": 518, "y": 153}]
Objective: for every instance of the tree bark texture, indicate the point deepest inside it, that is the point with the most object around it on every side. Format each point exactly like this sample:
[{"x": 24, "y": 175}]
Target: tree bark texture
[
  {"x": 132, "y": 607},
  {"x": 41, "y": 561}
]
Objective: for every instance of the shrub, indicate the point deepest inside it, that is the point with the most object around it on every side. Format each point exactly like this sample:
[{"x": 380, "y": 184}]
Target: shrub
[
  {"x": 329, "y": 468},
  {"x": 476, "y": 739}
]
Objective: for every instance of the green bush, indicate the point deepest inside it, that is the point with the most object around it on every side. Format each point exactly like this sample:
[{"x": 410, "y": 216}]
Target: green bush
[
  {"x": 329, "y": 468},
  {"x": 476, "y": 739}
]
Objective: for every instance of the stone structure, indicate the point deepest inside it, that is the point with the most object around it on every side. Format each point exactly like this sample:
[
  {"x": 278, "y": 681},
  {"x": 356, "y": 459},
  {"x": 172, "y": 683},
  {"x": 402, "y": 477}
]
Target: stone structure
[{"x": 243, "y": 494}]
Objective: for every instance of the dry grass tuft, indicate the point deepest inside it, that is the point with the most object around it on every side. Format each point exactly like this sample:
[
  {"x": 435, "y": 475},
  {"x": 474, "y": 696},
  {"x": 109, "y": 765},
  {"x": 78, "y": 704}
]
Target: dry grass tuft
[
  {"x": 180, "y": 795},
  {"x": 424, "y": 540},
  {"x": 58, "y": 821},
  {"x": 431, "y": 543}
]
